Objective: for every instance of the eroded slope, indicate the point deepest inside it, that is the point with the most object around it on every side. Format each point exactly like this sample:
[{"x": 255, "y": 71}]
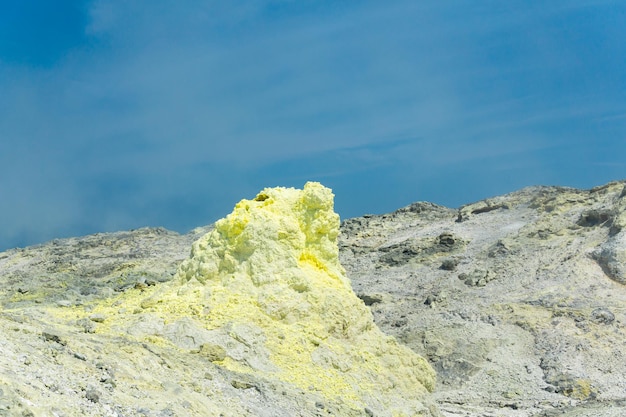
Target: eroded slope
[{"x": 518, "y": 301}]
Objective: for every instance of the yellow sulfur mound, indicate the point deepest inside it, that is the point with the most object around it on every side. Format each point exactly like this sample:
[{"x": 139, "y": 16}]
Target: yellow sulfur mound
[
  {"x": 264, "y": 294},
  {"x": 273, "y": 264}
]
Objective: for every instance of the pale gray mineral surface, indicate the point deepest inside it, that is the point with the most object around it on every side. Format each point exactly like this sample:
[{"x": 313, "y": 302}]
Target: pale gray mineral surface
[{"x": 518, "y": 302}]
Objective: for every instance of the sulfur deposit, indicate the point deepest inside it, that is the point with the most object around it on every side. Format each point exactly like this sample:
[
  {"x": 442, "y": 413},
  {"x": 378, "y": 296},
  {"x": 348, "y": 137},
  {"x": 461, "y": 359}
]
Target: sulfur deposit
[{"x": 264, "y": 294}]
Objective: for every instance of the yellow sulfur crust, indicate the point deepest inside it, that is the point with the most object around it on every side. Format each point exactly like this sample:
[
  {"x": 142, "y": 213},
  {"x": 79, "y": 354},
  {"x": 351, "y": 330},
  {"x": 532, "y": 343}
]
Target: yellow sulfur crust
[{"x": 268, "y": 279}]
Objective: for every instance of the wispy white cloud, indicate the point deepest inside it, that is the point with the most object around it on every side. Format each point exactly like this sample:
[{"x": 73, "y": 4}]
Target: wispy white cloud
[{"x": 168, "y": 99}]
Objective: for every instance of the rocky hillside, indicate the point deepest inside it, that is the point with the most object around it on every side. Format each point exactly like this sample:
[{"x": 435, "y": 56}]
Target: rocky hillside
[{"x": 518, "y": 302}]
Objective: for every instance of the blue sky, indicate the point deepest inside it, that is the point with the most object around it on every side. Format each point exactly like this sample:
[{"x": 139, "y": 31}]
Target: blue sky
[{"x": 119, "y": 114}]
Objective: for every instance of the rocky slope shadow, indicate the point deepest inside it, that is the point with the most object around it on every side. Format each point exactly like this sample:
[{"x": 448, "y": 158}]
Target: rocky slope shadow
[
  {"x": 518, "y": 301},
  {"x": 260, "y": 320}
]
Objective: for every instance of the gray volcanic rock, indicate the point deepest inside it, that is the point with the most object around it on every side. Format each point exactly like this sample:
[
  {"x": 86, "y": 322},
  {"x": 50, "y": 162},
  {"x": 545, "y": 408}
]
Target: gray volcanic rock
[
  {"x": 517, "y": 301},
  {"x": 524, "y": 316},
  {"x": 611, "y": 256},
  {"x": 77, "y": 270}
]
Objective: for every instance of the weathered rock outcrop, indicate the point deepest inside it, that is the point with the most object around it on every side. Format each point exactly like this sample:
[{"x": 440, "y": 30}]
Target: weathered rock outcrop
[{"x": 525, "y": 317}]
